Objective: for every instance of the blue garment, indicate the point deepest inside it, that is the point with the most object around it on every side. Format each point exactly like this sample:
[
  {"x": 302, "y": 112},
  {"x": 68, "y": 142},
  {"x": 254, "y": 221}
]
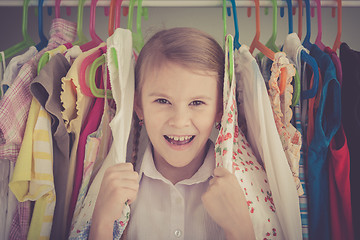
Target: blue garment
[{"x": 327, "y": 122}]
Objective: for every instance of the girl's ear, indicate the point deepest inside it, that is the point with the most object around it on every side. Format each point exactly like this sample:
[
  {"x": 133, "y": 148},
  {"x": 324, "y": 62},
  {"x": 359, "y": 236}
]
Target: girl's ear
[{"x": 138, "y": 107}]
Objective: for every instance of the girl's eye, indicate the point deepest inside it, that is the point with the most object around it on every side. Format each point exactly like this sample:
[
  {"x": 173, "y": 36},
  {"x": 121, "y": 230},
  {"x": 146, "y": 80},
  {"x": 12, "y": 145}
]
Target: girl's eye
[
  {"x": 197, "y": 103},
  {"x": 162, "y": 101}
]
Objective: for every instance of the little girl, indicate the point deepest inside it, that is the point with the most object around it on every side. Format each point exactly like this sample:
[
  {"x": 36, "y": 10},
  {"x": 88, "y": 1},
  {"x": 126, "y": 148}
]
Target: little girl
[{"x": 177, "y": 193}]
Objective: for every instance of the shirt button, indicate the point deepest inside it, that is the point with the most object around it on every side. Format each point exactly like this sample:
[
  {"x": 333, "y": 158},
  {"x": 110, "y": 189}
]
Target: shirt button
[{"x": 178, "y": 233}]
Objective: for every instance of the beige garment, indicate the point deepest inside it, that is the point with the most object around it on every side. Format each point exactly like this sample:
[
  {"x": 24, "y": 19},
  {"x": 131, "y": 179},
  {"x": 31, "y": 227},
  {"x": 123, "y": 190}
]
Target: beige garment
[
  {"x": 290, "y": 137},
  {"x": 76, "y": 106}
]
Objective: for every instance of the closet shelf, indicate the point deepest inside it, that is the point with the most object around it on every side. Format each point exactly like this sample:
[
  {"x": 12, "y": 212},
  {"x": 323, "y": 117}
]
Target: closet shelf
[{"x": 181, "y": 3}]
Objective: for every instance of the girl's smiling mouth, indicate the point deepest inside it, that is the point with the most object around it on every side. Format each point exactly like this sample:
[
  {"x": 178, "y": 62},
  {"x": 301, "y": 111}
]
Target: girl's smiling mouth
[{"x": 179, "y": 140}]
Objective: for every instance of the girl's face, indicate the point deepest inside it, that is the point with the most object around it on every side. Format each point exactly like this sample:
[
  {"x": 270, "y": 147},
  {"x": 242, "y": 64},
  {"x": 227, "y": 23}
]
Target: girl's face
[{"x": 179, "y": 108}]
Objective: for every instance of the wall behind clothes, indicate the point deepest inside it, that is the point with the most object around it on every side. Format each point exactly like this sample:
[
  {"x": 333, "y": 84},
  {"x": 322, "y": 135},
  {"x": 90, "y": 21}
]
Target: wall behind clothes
[{"x": 208, "y": 19}]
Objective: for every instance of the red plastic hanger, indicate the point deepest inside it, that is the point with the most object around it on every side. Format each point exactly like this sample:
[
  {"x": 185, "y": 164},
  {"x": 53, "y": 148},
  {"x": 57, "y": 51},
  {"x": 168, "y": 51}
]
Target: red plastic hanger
[
  {"x": 300, "y": 19},
  {"x": 57, "y": 8},
  {"x": 265, "y": 50},
  {"x": 115, "y": 5},
  {"x": 318, "y": 41}
]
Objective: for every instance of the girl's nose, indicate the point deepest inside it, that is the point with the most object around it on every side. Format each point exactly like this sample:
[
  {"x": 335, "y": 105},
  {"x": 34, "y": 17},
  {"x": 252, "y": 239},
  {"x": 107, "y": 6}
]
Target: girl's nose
[{"x": 180, "y": 118}]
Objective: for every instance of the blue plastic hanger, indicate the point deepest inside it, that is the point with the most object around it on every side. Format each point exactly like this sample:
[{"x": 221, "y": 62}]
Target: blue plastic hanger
[
  {"x": 43, "y": 40},
  {"x": 308, "y": 59},
  {"x": 290, "y": 16},
  {"x": 237, "y": 44},
  {"x": 306, "y": 41}
]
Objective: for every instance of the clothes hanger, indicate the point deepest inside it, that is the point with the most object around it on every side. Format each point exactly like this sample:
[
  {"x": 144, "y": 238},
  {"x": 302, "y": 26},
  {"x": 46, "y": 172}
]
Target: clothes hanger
[
  {"x": 114, "y": 5},
  {"x": 339, "y": 27},
  {"x": 80, "y": 34},
  {"x": 271, "y": 43},
  {"x": 300, "y": 19},
  {"x": 264, "y": 49},
  {"x": 95, "y": 39},
  {"x": 308, "y": 59},
  {"x": 306, "y": 41},
  {"x": 85, "y": 64},
  {"x": 111, "y": 17},
  {"x": 98, "y": 92},
  {"x": 27, "y": 41},
  {"x": 318, "y": 41},
  {"x": 224, "y": 22},
  {"x": 138, "y": 40},
  {"x": 237, "y": 44},
  {"x": 43, "y": 40},
  {"x": 46, "y": 56},
  {"x": 230, "y": 41},
  {"x": 290, "y": 16},
  {"x": 297, "y": 83},
  {"x": 57, "y": 8},
  {"x": 256, "y": 42}
]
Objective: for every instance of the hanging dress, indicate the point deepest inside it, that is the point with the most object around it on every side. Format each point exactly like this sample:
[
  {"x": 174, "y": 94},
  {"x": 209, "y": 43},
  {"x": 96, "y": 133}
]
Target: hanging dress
[
  {"x": 327, "y": 122},
  {"x": 121, "y": 72},
  {"x": 233, "y": 152},
  {"x": 350, "y": 101},
  {"x": 265, "y": 142},
  {"x": 293, "y": 49}
]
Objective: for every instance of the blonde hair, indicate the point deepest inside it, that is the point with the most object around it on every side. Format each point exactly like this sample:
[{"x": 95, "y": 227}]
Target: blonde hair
[{"x": 188, "y": 47}]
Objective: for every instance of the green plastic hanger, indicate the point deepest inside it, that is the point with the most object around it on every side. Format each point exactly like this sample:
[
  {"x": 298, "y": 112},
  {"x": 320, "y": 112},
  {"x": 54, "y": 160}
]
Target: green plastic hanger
[
  {"x": 138, "y": 40},
  {"x": 271, "y": 43},
  {"x": 98, "y": 92},
  {"x": 230, "y": 41},
  {"x": 80, "y": 34},
  {"x": 27, "y": 42},
  {"x": 224, "y": 22},
  {"x": 297, "y": 84}
]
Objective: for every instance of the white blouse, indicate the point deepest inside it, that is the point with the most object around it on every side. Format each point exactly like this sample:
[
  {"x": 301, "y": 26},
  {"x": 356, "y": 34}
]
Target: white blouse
[{"x": 163, "y": 210}]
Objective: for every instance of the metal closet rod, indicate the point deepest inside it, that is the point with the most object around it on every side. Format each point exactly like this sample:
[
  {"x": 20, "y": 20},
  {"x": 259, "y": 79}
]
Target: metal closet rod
[{"x": 181, "y": 3}]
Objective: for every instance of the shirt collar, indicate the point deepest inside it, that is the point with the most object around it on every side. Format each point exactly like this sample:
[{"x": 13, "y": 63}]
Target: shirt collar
[{"x": 203, "y": 174}]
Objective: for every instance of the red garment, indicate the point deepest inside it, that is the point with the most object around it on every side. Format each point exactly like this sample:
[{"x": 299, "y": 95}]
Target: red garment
[
  {"x": 339, "y": 188},
  {"x": 339, "y": 176},
  {"x": 90, "y": 125}
]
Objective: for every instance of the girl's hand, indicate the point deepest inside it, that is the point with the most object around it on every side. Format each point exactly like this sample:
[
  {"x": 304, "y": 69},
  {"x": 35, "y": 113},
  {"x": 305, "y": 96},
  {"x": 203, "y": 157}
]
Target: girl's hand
[
  {"x": 120, "y": 184},
  {"x": 226, "y": 204}
]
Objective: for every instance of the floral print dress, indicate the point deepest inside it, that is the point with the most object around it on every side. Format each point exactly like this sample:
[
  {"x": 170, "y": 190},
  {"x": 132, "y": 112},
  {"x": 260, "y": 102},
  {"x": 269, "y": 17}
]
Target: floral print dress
[
  {"x": 290, "y": 137},
  {"x": 233, "y": 152}
]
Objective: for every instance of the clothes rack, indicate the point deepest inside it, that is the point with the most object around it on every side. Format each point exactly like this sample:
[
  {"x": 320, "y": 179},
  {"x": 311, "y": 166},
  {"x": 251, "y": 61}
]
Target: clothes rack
[{"x": 182, "y": 3}]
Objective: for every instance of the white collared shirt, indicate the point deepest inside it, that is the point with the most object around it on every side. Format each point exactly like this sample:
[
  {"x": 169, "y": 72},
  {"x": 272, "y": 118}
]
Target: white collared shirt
[{"x": 163, "y": 210}]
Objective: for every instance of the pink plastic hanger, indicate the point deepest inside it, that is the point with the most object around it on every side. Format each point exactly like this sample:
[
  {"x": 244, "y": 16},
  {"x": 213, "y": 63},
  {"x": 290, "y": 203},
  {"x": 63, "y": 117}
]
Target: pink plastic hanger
[
  {"x": 318, "y": 41},
  {"x": 339, "y": 28},
  {"x": 95, "y": 39},
  {"x": 57, "y": 8},
  {"x": 86, "y": 63}
]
